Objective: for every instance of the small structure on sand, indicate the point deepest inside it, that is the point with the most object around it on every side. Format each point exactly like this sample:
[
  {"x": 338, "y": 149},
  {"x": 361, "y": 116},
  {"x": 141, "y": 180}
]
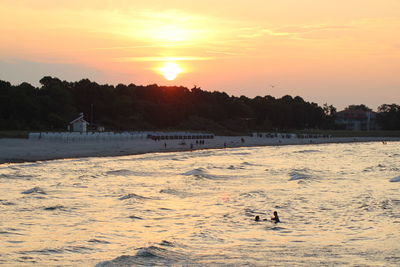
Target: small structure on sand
[{"x": 78, "y": 125}]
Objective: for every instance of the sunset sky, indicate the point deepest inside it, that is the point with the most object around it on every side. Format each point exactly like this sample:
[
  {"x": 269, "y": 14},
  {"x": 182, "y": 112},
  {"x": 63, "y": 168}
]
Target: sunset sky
[{"x": 337, "y": 52}]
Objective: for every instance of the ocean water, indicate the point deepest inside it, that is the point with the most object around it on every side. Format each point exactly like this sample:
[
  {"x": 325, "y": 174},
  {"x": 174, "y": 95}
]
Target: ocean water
[{"x": 339, "y": 204}]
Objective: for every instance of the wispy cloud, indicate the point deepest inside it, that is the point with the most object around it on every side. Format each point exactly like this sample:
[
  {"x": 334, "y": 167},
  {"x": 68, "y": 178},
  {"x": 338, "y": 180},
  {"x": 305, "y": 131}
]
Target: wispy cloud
[
  {"x": 298, "y": 32},
  {"x": 310, "y": 28},
  {"x": 164, "y": 59},
  {"x": 226, "y": 53},
  {"x": 134, "y": 47}
]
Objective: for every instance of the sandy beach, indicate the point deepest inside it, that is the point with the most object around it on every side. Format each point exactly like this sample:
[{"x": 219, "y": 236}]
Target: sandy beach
[{"x": 25, "y": 150}]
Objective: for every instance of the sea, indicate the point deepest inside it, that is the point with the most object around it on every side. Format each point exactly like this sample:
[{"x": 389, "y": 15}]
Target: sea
[{"x": 339, "y": 205}]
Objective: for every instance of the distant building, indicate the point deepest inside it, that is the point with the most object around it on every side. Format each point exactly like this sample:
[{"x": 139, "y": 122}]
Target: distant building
[
  {"x": 78, "y": 125},
  {"x": 357, "y": 120}
]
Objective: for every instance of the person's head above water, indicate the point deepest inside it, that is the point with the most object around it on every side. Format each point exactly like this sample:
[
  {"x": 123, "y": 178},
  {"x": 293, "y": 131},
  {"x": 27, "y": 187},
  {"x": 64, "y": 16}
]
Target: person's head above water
[
  {"x": 257, "y": 218},
  {"x": 275, "y": 218}
]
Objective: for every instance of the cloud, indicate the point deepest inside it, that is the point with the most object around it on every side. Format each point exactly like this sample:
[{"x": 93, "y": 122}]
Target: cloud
[
  {"x": 291, "y": 31},
  {"x": 134, "y": 47},
  {"x": 164, "y": 59},
  {"x": 226, "y": 53},
  {"x": 311, "y": 28}
]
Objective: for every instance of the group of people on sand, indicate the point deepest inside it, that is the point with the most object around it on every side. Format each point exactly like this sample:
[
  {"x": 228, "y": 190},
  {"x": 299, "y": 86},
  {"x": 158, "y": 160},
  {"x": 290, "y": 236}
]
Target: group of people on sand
[{"x": 274, "y": 219}]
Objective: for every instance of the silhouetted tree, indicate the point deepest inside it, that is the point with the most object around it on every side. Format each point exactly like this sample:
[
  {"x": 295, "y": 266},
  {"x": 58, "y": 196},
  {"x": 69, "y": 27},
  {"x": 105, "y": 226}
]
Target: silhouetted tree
[
  {"x": 358, "y": 107},
  {"x": 136, "y": 107},
  {"x": 389, "y": 116}
]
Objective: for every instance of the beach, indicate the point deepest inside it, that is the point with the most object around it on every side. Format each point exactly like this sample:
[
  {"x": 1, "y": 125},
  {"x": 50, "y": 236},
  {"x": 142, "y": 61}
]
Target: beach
[{"x": 27, "y": 150}]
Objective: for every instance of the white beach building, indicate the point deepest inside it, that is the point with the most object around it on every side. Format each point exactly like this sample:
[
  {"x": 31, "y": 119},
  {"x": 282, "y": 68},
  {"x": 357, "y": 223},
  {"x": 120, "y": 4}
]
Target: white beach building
[{"x": 78, "y": 125}]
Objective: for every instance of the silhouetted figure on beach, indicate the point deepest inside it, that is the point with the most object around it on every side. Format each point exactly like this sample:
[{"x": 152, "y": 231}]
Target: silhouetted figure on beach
[
  {"x": 165, "y": 145},
  {"x": 275, "y": 219},
  {"x": 257, "y": 218}
]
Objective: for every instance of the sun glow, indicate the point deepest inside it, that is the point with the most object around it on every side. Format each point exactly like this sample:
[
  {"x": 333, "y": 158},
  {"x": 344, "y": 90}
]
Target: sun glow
[{"x": 170, "y": 70}]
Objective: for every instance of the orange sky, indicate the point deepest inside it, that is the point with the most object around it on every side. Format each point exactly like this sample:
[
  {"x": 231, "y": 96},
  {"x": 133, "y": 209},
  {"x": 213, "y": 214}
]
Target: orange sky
[{"x": 341, "y": 52}]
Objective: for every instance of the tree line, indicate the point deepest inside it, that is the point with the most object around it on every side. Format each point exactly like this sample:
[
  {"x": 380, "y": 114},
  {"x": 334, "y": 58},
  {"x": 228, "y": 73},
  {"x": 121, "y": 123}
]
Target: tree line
[{"x": 53, "y": 104}]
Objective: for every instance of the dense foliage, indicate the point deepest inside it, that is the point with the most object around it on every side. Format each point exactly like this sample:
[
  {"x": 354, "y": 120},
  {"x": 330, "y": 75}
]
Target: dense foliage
[
  {"x": 132, "y": 107},
  {"x": 389, "y": 116}
]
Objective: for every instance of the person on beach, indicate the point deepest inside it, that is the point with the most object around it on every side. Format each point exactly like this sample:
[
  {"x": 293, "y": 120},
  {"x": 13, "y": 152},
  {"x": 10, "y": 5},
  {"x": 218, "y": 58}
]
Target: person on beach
[
  {"x": 275, "y": 219},
  {"x": 257, "y": 218}
]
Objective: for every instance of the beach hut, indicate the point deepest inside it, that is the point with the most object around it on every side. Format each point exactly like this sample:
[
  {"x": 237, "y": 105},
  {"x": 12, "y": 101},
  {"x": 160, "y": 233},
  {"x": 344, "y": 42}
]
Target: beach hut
[{"x": 78, "y": 125}]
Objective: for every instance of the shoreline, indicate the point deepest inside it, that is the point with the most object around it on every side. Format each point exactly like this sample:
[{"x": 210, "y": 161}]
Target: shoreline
[{"x": 25, "y": 150}]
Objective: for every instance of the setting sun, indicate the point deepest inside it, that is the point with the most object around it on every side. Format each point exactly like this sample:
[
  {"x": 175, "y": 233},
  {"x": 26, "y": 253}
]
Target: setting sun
[{"x": 170, "y": 70}]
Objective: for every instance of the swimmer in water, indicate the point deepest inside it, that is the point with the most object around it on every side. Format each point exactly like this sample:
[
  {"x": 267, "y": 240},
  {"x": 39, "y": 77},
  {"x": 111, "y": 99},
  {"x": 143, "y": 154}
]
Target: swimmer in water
[
  {"x": 257, "y": 218},
  {"x": 275, "y": 219}
]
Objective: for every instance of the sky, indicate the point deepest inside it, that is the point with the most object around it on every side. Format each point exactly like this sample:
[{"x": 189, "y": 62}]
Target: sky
[{"x": 338, "y": 52}]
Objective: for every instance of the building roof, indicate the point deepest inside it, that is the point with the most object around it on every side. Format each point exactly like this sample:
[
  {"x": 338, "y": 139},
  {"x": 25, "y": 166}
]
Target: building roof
[{"x": 79, "y": 119}]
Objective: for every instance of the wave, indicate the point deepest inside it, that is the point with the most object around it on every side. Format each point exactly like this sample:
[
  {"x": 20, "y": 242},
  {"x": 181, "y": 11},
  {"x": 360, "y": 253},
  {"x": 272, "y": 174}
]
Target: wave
[
  {"x": 241, "y": 153},
  {"x": 122, "y": 172},
  {"x": 395, "y": 179},
  {"x": 379, "y": 167},
  {"x": 150, "y": 256},
  {"x": 299, "y": 175},
  {"x": 135, "y": 217},
  {"x": 51, "y": 251},
  {"x": 308, "y": 151},
  {"x": 6, "y": 203},
  {"x": 17, "y": 175},
  {"x": 34, "y": 190},
  {"x": 201, "y": 173},
  {"x": 56, "y": 207},
  {"x": 98, "y": 241},
  {"x": 128, "y": 196},
  {"x": 232, "y": 167},
  {"x": 11, "y": 232},
  {"x": 249, "y": 164},
  {"x": 254, "y": 194},
  {"x": 175, "y": 192},
  {"x": 167, "y": 243},
  {"x": 195, "y": 172}
]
